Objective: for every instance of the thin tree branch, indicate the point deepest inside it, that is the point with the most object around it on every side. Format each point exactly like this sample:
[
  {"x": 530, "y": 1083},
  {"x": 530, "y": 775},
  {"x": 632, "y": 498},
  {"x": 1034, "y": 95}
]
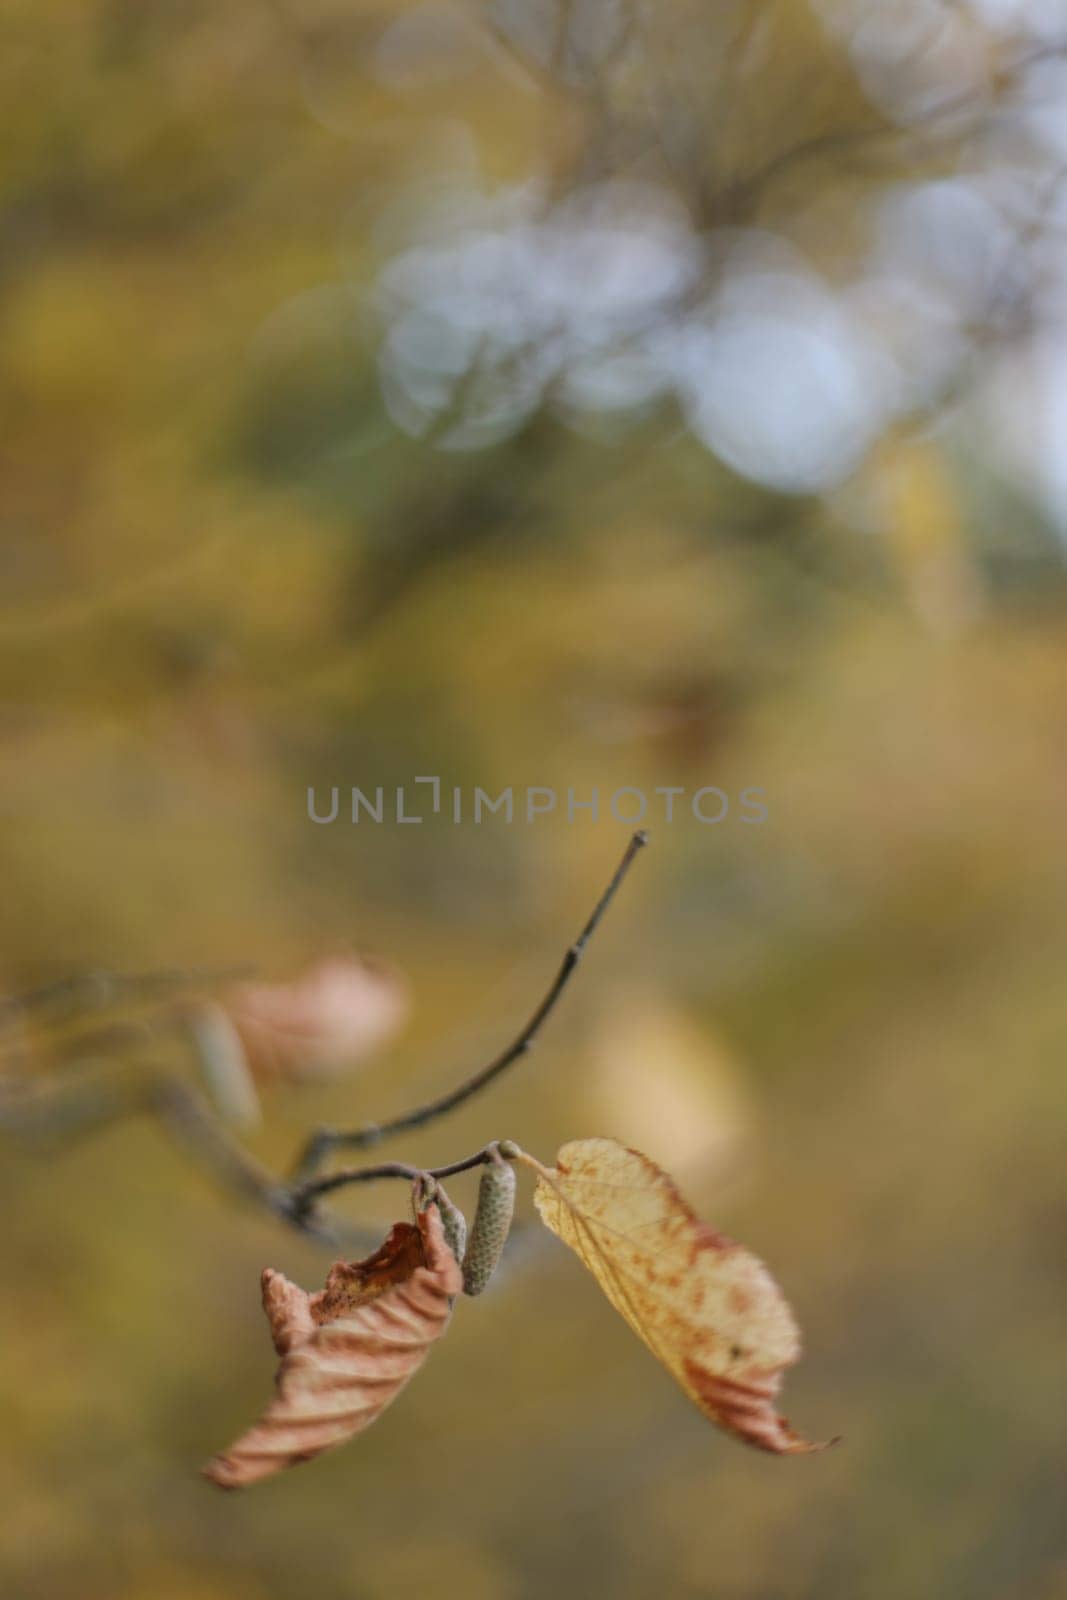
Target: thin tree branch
[
  {"x": 304, "y": 1195},
  {"x": 325, "y": 1140}
]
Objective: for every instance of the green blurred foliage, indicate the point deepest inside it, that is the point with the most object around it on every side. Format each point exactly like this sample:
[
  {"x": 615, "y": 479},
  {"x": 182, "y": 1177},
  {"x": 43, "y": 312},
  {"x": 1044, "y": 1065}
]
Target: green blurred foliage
[{"x": 227, "y": 576}]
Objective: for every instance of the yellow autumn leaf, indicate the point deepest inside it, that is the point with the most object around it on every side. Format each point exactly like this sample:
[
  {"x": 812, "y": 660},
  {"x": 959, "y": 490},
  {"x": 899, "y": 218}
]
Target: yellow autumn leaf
[{"x": 707, "y": 1308}]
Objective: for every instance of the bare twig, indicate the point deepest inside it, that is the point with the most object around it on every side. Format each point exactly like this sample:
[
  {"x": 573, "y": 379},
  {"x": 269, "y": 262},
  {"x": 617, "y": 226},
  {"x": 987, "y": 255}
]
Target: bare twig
[
  {"x": 53, "y": 1104},
  {"x": 306, "y": 1194},
  {"x": 324, "y": 1140}
]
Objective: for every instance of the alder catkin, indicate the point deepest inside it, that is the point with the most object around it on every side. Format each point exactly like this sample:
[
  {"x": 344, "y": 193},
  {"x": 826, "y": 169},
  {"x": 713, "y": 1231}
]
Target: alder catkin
[
  {"x": 454, "y": 1223},
  {"x": 492, "y": 1223}
]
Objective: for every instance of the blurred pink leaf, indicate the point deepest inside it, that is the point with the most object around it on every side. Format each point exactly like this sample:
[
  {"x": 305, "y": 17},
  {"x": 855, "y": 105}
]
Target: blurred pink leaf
[{"x": 326, "y": 1020}]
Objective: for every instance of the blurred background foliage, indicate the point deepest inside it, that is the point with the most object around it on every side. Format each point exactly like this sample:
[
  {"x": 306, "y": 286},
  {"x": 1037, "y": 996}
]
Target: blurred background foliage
[{"x": 578, "y": 393}]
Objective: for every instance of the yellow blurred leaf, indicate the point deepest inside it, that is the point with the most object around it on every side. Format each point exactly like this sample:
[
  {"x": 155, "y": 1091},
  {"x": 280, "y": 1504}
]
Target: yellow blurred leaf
[
  {"x": 707, "y": 1308},
  {"x": 693, "y": 1105}
]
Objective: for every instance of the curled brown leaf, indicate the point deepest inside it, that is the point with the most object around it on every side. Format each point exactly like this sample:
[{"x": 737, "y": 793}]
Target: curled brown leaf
[
  {"x": 346, "y": 1351},
  {"x": 706, "y": 1307}
]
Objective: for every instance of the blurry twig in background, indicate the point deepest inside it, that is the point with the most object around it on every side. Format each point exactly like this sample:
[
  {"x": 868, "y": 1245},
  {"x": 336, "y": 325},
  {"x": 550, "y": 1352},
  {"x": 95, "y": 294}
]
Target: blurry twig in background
[
  {"x": 104, "y": 1092},
  {"x": 99, "y": 991},
  {"x": 89, "y": 1093}
]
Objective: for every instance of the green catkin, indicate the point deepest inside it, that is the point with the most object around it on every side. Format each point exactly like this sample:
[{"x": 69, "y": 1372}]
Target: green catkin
[
  {"x": 454, "y": 1224},
  {"x": 492, "y": 1223}
]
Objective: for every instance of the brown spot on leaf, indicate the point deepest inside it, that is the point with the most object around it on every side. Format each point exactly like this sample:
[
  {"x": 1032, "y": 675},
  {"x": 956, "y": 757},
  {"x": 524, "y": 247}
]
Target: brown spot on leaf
[{"x": 353, "y": 1283}]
